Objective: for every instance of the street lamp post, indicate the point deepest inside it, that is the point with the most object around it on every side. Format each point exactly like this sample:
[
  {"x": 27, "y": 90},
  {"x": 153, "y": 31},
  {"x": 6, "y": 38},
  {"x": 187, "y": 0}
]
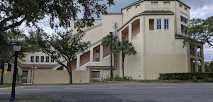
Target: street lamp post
[{"x": 16, "y": 48}]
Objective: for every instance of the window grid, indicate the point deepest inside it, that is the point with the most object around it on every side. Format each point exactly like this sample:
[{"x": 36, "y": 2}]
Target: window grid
[
  {"x": 47, "y": 59},
  {"x": 37, "y": 58},
  {"x": 31, "y": 58},
  {"x": 42, "y": 58},
  {"x": 166, "y": 23},
  {"x": 158, "y": 23}
]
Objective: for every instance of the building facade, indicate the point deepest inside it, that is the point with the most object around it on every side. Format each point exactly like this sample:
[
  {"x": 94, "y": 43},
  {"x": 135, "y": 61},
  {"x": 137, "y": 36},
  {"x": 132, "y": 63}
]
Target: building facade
[{"x": 156, "y": 28}]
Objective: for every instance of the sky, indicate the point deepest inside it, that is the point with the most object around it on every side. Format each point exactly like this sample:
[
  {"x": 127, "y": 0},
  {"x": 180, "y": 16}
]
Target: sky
[{"x": 199, "y": 9}]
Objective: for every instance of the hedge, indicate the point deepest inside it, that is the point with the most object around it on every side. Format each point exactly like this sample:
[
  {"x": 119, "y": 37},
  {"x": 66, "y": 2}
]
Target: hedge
[{"x": 187, "y": 76}]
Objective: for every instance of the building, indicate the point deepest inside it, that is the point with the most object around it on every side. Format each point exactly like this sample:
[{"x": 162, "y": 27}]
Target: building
[{"x": 157, "y": 29}]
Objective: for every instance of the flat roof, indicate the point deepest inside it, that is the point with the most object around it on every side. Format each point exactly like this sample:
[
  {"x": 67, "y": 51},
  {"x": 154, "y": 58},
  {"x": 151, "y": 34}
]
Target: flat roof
[{"x": 139, "y": 1}]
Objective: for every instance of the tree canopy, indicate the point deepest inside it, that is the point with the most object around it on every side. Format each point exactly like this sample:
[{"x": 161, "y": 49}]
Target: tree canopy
[
  {"x": 63, "y": 47},
  {"x": 60, "y": 12},
  {"x": 202, "y": 30}
]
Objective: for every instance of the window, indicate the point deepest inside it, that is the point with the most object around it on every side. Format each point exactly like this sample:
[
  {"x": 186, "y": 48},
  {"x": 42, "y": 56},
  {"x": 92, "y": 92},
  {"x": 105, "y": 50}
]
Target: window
[
  {"x": 31, "y": 58},
  {"x": 106, "y": 50},
  {"x": 183, "y": 19},
  {"x": 95, "y": 74},
  {"x": 85, "y": 58},
  {"x": 125, "y": 33},
  {"x": 42, "y": 58},
  {"x": 135, "y": 27},
  {"x": 151, "y": 24},
  {"x": 186, "y": 8},
  {"x": 47, "y": 59},
  {"x": 158, "y": 23},
  {"x": 166, "y": 23},
  {"x": 52, "y": 59},
  {"x": 183, "y": 29},
  {"x": 37, "y": 58},
  {"x": 96, "y": 54}
]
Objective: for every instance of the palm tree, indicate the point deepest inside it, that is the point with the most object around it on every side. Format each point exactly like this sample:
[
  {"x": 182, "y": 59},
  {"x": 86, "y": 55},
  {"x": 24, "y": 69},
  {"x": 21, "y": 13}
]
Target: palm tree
[
  {"x": 126, "y": 48},
  {"x": 112, "y": 42}
]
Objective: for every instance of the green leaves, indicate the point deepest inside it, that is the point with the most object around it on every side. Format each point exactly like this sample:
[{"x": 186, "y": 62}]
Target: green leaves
[
  {"x": 127, "y": 48},
  {"x": 63, "y": 46},
  {"x": 60, "y": 12},
  {"x": 117, "y": 46},
  {"x": 202, "y": 30}
]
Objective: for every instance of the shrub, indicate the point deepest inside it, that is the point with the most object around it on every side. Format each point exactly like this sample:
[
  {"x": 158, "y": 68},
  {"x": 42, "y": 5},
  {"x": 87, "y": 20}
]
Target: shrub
[{"x": 187, "y": 76}]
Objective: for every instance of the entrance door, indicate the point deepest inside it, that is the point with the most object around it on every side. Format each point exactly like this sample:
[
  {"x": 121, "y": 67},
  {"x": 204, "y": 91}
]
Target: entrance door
[
  {"x": 95, "y": 75},
  {"x": 24, "y": 76}
]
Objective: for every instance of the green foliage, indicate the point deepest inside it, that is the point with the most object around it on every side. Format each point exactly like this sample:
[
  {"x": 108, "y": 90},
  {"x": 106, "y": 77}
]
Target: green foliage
[
  {"x": 111, "y": 41},
  {"x": 209, "y": 67},
  {"x": 201, "y": 30},
  {"x": 118, "y": 78},
  {"x": 126, "y": 48},
  {"x": 187, "y": 76},
  {"x": 125, "y": 78},
  {"x": 63, "y": 46},
  {"x": 59, "y": 12}
]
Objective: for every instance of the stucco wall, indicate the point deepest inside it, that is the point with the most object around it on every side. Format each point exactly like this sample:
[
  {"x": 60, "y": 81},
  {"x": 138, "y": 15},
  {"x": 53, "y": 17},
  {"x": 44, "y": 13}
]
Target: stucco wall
[
  {"x": 163, "y": 53},
  {"x": 134, "y": 64},
  {"x": 46, "y": 76}
]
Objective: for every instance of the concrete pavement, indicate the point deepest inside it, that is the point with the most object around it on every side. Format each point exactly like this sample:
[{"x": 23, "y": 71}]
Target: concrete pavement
[{"x": 119, "y": 92}]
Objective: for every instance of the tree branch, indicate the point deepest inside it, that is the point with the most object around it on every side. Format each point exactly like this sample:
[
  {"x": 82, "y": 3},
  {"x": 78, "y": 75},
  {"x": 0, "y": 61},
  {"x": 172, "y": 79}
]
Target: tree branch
[{"x": 2, "y": 29}]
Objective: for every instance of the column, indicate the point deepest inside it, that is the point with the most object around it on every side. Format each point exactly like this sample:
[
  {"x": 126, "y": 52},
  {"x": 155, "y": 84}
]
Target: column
[
  {"x": 91, "y": 55},
  {"x": 78, "y": 61},
  {"x": 130, "y": 32},
  {"x": 101, "y": 52}
]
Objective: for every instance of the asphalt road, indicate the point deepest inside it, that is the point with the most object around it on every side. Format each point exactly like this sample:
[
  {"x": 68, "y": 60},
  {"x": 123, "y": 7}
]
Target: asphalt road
[{"x": 119, "y": 92}]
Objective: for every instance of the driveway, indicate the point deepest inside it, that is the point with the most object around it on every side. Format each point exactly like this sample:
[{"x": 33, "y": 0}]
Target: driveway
[{"x": 119, "y": 92}]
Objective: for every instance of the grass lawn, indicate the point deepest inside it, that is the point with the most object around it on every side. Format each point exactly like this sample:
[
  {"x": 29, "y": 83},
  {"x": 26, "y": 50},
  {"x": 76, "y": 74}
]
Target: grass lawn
[
  {"x": 27, "y": 100},
  {"x": 5, "y": 85}
]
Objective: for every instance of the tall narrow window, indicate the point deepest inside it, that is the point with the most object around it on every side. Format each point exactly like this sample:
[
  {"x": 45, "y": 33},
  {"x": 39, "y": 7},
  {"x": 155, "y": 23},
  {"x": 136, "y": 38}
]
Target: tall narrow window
[
  {"x": 42, "y": 58},
  {"x": 47, "y": 59},
  {"x": 37, "y": 58},
  {"x": 151, "y": 24},
  {"x": 31, "y": 58},
  {"x": 135, "y": 27},
  {"x": 125, "y": 33},
  {"x": 96, "y": 54},
  {"x": 166, "y": 24},
  {"x": 158, "y": 23}
]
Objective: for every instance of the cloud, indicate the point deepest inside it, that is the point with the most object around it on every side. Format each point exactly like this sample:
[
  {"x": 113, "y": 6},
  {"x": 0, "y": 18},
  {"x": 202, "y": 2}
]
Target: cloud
[{"x": 202, "y": 12}]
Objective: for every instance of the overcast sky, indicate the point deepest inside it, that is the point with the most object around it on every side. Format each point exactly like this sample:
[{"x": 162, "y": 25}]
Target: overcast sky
[{"x": 199, "y": 8}]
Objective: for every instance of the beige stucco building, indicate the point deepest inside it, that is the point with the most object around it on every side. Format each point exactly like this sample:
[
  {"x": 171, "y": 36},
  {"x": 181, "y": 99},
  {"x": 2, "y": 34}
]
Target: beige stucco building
[{"x": 156, "y": 29}]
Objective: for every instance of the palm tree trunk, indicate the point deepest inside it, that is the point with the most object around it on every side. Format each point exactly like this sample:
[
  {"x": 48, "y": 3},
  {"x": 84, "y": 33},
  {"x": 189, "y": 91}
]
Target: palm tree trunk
[
  {"x": 123, "y": 60},
  {"x": 111, "y": 59},
  {"x": 2, "y": 74}
]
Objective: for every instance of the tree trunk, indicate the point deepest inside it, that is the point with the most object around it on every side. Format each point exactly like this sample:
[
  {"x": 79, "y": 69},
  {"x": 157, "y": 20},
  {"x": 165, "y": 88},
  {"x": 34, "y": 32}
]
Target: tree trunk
[
  {"x": 69, "y": 72},
  {"x": 2, "y": 74},
  {"x": 70, "y": 77},
  {"x": 123, "y": 60}
]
